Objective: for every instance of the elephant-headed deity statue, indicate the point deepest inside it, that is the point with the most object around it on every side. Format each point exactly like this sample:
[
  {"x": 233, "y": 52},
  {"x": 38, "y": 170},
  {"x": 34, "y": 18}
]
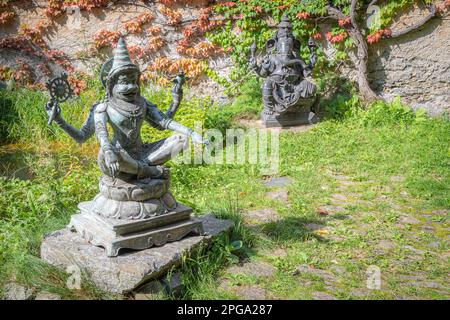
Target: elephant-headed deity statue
[{"x": 288, "y": 95}]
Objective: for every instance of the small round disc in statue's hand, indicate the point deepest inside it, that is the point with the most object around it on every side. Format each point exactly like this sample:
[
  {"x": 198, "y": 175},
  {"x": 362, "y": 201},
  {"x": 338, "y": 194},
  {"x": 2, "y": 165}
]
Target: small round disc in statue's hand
[{"x": 59, "y": 88}]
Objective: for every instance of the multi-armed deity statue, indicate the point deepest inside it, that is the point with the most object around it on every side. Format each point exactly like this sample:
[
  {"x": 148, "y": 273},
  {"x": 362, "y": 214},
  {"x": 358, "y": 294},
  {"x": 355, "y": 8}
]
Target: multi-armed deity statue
[
  {"x": 134, "y": 208},
  {"x": 288, "y": 96}
]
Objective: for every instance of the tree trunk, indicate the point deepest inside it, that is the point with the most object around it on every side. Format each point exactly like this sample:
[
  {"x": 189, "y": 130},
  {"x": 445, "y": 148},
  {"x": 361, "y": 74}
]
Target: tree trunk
[{"x": 362, "y": 54}]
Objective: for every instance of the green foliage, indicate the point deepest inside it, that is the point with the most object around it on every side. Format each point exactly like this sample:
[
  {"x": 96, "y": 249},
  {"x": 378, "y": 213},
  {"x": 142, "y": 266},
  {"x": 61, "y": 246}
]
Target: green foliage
[
  {"x": 23, "y": 115},
  {"x": 191, "y": 113},
  {"x": 379, "y": 113},
  {"x": 391, "y": 10},
  {"x": 247, "y": 105},
  {"x": 382, "y": 113}
]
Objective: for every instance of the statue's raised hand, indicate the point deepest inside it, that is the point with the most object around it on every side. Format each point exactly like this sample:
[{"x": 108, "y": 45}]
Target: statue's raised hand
[
  {"x": 252, "y": 63},
  {"x": 112, "y": 162},
  {"x": 198, "y": 139},
  {"x": 53, "y": 110}
]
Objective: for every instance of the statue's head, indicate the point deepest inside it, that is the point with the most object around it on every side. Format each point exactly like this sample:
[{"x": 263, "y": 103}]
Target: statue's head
[
  {"x": 285, "y": 46},
  {"x": 123, "y": 78},
  {"x": 284, "y": 27}
]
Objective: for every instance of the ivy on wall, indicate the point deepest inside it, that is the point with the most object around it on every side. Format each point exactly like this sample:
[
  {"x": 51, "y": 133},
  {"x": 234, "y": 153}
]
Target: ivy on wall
[{"x": 230, "y": 27}]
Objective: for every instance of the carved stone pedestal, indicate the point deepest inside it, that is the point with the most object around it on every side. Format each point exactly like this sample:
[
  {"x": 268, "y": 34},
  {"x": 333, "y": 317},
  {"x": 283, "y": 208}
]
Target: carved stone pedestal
[
  {"x": 294, "y": 116},
  {"x": 133, "y": 214},
  {"x": 287, "y": 119},
  {"x": 116, "y": 234}
]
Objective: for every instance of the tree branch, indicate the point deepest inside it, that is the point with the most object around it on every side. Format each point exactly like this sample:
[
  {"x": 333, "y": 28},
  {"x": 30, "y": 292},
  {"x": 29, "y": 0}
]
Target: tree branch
[
  {"x": 419, "y": 24},
  {"x": 335, "y": 13},
  {"x": 353, "y": 14}
]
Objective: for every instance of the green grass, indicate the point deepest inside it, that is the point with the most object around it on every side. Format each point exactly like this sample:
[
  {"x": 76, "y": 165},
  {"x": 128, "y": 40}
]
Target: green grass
[{"x": 398, "y": 164}]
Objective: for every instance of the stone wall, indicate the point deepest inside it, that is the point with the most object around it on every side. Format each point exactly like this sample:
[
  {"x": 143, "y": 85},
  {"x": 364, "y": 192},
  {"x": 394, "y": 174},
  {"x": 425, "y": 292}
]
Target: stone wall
[
  {"x": 73, "y": 34},
  {"x": 415, "y": 66}
]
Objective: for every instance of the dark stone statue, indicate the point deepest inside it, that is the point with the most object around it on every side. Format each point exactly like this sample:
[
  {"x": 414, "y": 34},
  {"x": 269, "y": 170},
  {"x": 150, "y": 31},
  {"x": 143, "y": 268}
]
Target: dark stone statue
[
  {"x": 134, "y": 208},
  {"x": 288, "y": 96}
]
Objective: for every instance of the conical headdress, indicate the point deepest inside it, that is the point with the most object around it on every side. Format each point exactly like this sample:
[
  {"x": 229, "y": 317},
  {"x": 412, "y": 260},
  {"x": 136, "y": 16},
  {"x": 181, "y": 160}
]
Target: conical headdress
[
  {"x": 285, "y": 22},
  {"x": 122, "y": 59}
]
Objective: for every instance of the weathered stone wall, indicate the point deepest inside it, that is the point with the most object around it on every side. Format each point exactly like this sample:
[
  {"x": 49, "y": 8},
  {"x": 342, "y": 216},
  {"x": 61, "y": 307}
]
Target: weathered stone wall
[
  {"x": 74, "y": 31},
  {"x": 415, "y": 66}
]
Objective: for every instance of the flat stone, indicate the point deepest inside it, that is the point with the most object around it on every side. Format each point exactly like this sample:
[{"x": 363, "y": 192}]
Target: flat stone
[
  {"x": 277, "y": 253},
  {"x": 45, "y": 295},
  {"x": 340, "y": 177},
  {"x": 443, "y": 212},
  {"x": 225, "y": 285},
  {"x": 251, "y": 123},
  {"x": 14, "y": 291},
  {"x": 397, "y": 178},
  {"x": 428, "y": 228},
  {"x": 254, "y": 268},
  {"x": 432, "y": 285},
  {"x": 279, "y": 195},
  {"x": 386, "y": 244},
  {"x": 415, "y": 250},
  {"x": 279, "y": 182},
  {"x": 434, "y": 245},
  {"x": 329, "y": 209},
  {"x": 251, "y": 292},
  {"x": 131, "y": 269},
  {"x": 359, "y": 293},
  {"x": 261, "y": 215},
  {"x": 323, "y": 296},
  {"x": 347, "y": 183},
  {"x": 327, "y": 276},
  {"x": 410, "y": 220},
  {"x": 339, "y": 197}
]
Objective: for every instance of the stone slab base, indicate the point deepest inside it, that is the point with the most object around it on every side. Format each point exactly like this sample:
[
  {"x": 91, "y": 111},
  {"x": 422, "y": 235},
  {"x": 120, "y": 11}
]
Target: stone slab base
[
  {"x": 131, "y": 269},
  {"x": 288, "y": 119}
]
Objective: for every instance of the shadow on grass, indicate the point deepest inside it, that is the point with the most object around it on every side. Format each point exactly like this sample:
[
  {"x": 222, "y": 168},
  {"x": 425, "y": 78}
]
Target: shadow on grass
[
  {"x": 15, "y": 165},
  {"x": 290, "y": 229}
]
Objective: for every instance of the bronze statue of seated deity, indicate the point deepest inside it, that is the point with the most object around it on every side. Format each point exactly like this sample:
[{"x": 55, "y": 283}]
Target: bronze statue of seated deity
[
  {"x": 288, "y": 96},
  {"x": 134, "y": 208}
]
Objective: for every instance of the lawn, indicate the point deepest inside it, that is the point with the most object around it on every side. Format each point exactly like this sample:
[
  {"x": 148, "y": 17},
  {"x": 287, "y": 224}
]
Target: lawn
[{"x": 366, "y": 192}]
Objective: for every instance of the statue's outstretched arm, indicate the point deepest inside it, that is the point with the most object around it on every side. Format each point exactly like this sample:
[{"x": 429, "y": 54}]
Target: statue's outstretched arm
[{"x": 79, "y": 135}]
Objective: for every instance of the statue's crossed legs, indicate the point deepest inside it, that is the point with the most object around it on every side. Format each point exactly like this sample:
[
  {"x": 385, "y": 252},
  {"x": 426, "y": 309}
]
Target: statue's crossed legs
[{"x": 154, "y": 154}]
